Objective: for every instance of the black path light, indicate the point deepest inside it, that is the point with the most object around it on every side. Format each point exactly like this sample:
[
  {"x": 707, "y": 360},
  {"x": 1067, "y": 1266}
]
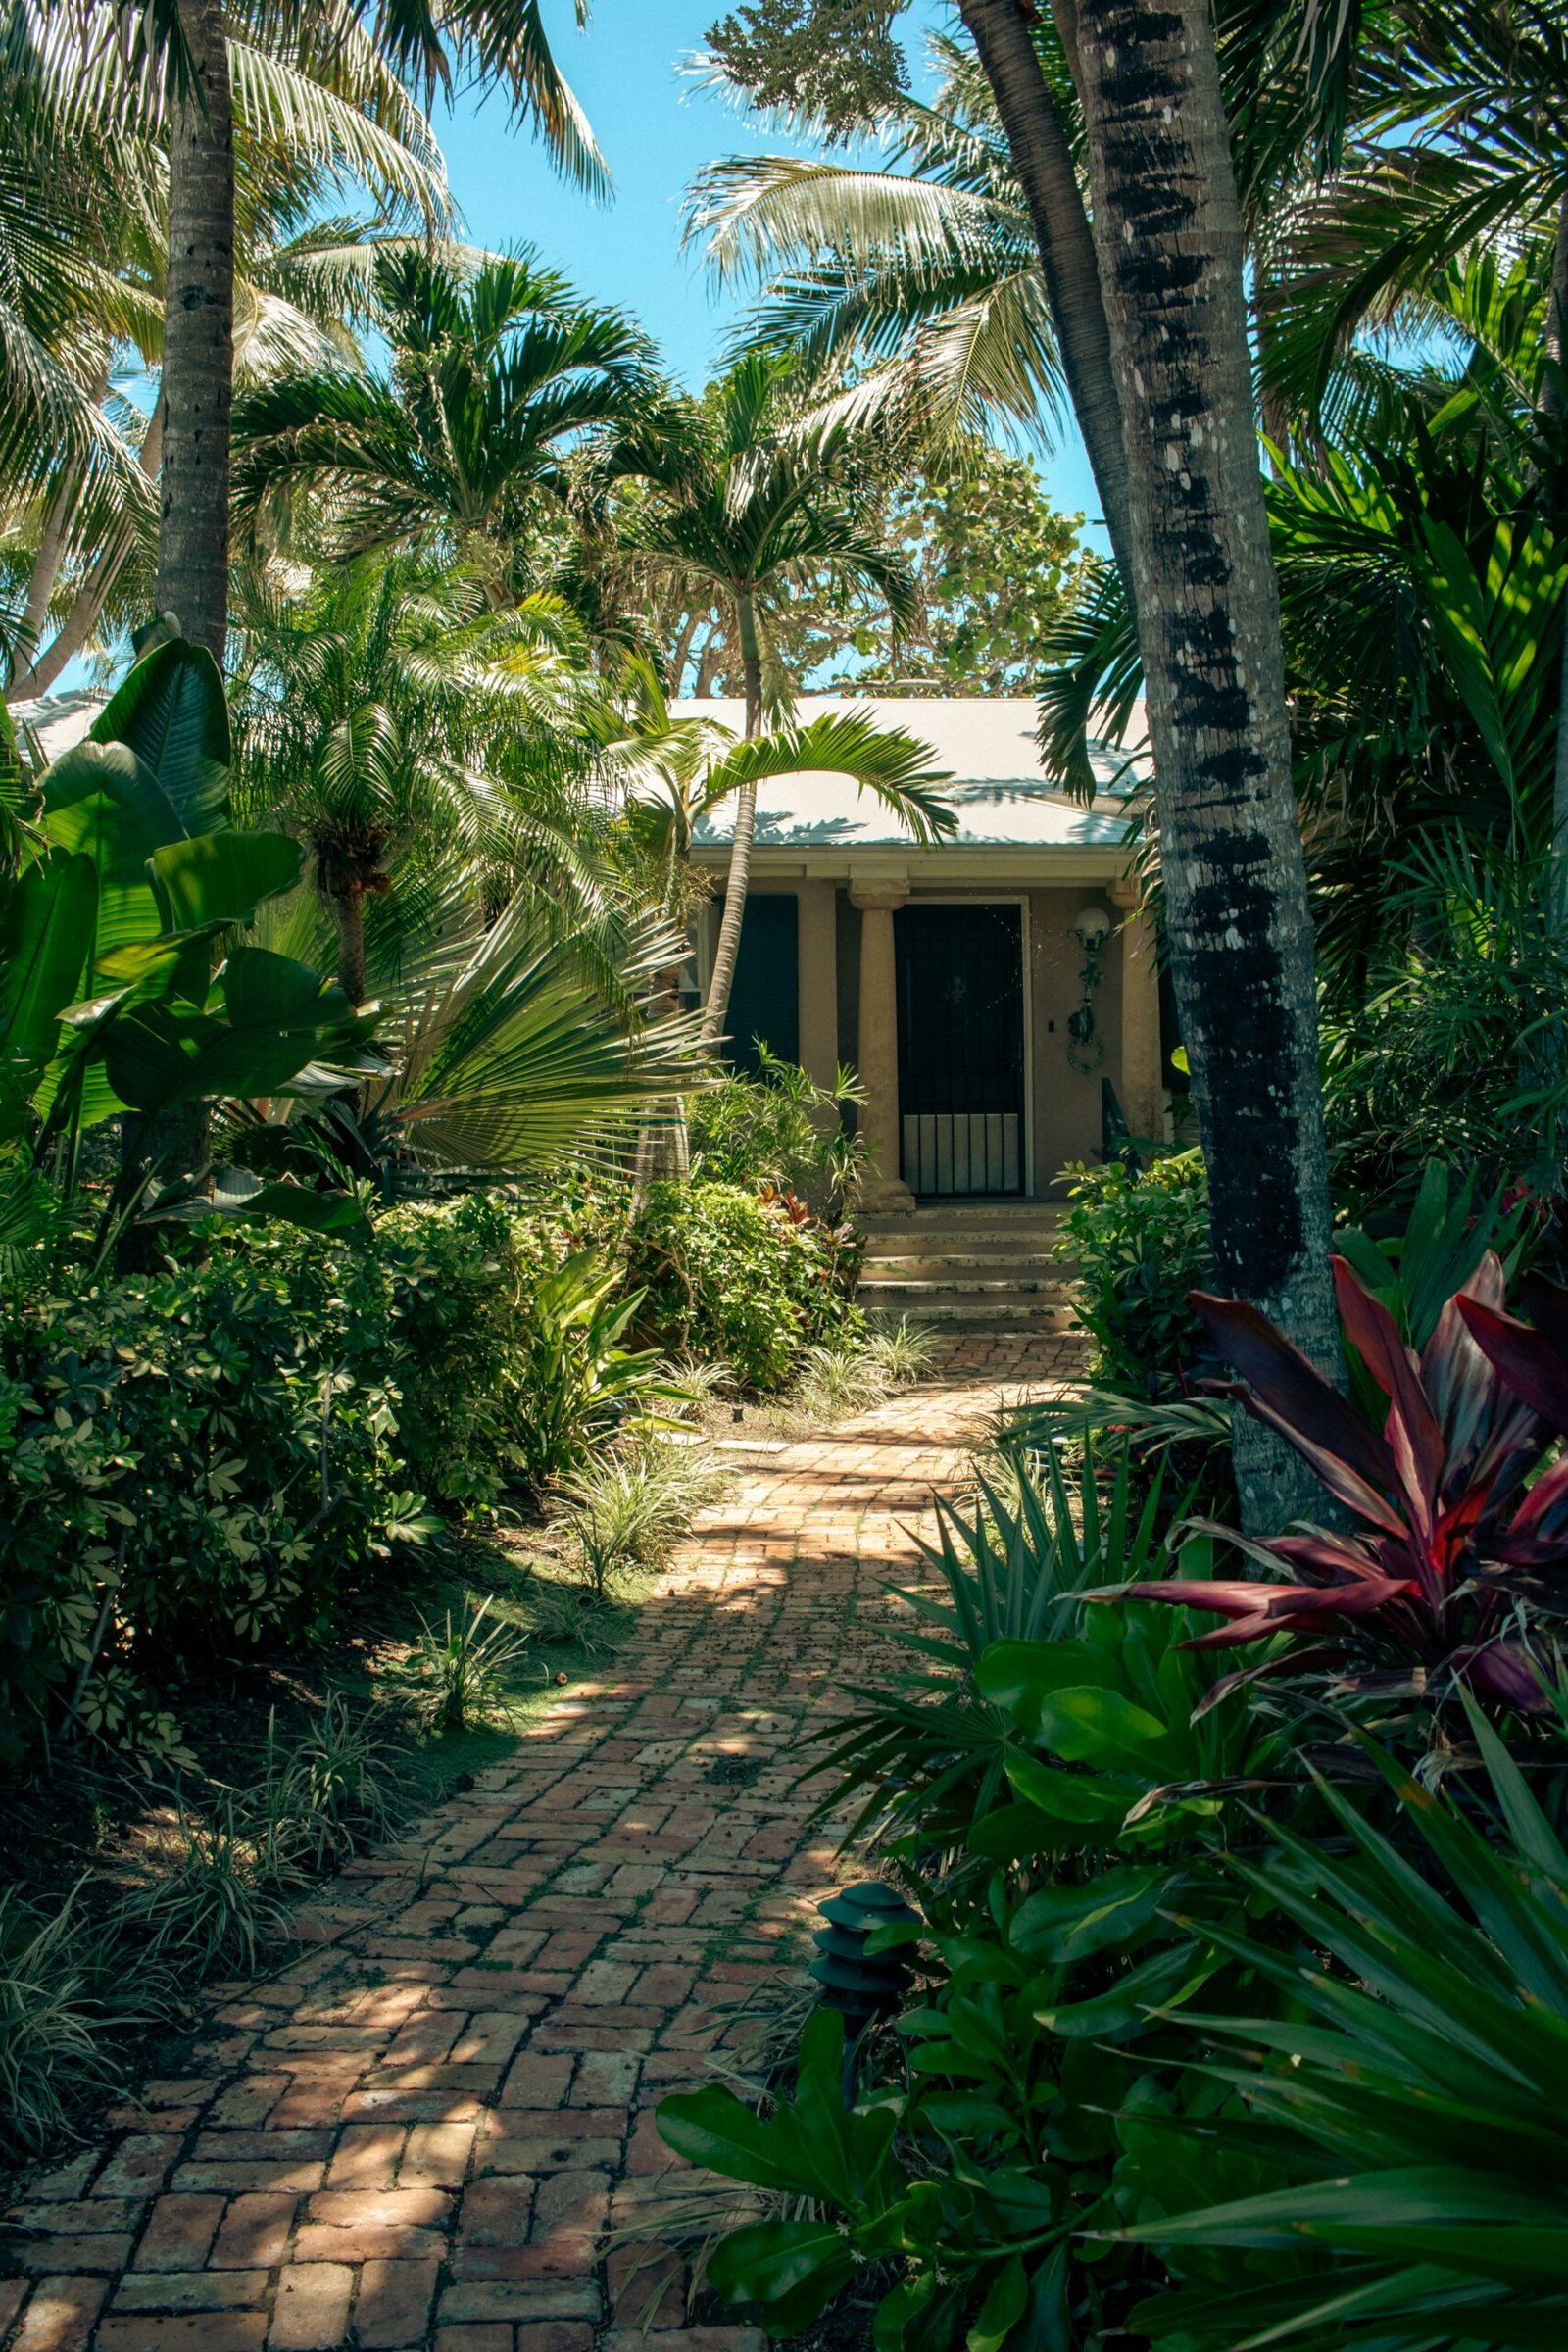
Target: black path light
[{"x": 863, "y": 1984}]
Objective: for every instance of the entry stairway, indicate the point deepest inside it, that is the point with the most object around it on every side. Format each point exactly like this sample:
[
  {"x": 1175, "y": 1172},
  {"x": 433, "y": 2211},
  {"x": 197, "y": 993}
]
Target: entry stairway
[{"x": 973, "y": 1264}]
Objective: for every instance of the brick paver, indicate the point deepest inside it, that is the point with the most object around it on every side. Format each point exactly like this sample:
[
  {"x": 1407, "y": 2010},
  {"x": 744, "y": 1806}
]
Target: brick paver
[{"x": 420, "y": 2132}]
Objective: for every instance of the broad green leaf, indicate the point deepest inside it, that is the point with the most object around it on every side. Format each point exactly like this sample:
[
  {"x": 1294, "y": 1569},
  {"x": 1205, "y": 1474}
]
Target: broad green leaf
[
  {"x": 1088, "y": 1726},
  {"x": 1100, "y": 1799},
  {"x": 1064, "y": 1924},
  {"x": 766, "y": 2260},
  {"x": 291, "y": 1204},
  {"x": 1016, "y": 1675},
  {"x": 712, "y": 2127},
  {"x": 98, "y": 804},
  {"x": 280, "y": 1019},
  {"x": 171, "y": 713},
  {"x": 1002, "y": 2310},
  {"x": 222, "y": 877},
  {"x": 1126, "y": 2006},
  {"x": 46, "y": 924}
]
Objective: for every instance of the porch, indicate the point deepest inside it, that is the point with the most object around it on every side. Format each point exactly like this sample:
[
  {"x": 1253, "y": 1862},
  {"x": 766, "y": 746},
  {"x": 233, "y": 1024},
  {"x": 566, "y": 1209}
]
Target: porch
[{"x": 953, "y": 977}]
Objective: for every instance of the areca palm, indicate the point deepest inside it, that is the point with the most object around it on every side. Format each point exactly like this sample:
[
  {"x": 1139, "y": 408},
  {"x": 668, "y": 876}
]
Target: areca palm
[
  {"x": 750, "y": 508},
  {"x": 496, "y": 375},
  {"x": 389, "y": 717},
  {"x": 669, "y": 773}
]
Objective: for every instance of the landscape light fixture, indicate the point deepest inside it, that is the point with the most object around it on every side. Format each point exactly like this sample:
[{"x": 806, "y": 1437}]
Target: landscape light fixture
[
  {"x": 861, "y": 1985},
  {"x": 1086, "y": 1049}
]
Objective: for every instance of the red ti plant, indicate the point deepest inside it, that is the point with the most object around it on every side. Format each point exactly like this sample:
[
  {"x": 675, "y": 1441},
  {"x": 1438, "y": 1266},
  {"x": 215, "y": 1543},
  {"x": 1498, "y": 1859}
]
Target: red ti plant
[{"x": 1460, "y": 1527}]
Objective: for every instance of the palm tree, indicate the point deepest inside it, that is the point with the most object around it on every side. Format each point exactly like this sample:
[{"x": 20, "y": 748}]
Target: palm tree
[
  {"x": 918, "y": 284},
  {"x": 751, "y": 508},
  {"x": 179, "y": 47},
  {"x": 497, "y": 374},
  {"x": 1169, "y": 230},
  {"x": 669, "y": 773},
  {"x": 83, "y": 233},
  {"x": 391, "y": 720}
]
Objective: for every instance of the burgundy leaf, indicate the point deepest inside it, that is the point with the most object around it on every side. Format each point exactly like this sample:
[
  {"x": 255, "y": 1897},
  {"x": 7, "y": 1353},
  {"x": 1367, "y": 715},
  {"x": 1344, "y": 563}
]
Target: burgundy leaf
[
  {"x": 1337, "y": 1557},
  {"x": 1242, "y": 1596},
  {"x": 1411, "y": 1430},
  {"x": 1526, "y": 1360},
  {"x": 1506, "y": 1673},
  {"x": 1237, "y": 1635},
  {"x": 1548, "y": 1495},
  {"x": 1281, "y": 1377},
  {"x": 1547, "y": 1304}
]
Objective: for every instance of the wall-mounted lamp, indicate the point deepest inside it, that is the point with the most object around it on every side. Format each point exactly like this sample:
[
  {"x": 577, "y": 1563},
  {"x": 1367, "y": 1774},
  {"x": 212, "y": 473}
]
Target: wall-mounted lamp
[{"x": 1086, "y": 1049}]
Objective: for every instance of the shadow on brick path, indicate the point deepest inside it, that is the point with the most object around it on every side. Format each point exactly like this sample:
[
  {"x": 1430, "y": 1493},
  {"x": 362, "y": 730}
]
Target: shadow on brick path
[{"x": 418, "y": 2133}]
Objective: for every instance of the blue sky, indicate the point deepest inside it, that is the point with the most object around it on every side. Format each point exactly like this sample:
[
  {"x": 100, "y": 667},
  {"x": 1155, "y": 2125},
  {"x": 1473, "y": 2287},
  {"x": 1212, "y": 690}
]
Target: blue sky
[{"x": 657, "y": 127}]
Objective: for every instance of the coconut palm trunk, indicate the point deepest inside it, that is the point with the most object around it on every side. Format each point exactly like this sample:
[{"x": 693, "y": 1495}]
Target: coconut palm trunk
[
  {"x": 195, "y": 396},
  {"x": 1043, "y": 161},
  {"x": 1168, "y": 236},
  {"x": 1552, "y": 405},
  {"x": 198, "y": 365},
  {"x": 739, "y": 876}
]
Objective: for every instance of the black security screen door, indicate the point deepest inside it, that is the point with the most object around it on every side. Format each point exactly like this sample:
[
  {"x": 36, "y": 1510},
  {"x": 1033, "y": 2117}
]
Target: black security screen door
[{"x": 960, "y": 1048}]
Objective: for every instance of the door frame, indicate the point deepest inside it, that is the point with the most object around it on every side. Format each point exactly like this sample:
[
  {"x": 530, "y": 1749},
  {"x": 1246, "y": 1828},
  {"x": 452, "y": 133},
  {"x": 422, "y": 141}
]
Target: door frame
[{"x": 1020, "y": 899}]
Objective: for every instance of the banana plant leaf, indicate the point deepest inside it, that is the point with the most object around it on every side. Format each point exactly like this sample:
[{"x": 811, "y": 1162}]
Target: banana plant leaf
[{"x": 46, "y": 918}]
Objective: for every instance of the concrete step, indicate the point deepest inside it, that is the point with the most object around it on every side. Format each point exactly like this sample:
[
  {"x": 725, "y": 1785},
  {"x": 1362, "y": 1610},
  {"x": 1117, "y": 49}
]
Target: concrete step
[
  {"x": 1001, "y": 1255},
  {"x": 996, "y": 1216},
  {"x": 1016, "y": 1284},
  {"x": 962, "y": 1308}
]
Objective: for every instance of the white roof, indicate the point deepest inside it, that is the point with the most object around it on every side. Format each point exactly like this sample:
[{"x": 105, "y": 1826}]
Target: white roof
[
  {"x": 59, "y": 721},
  {"x": 999, "y": 792}
]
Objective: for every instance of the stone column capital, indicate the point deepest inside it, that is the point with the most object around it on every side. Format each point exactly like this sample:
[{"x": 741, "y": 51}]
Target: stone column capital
[
  {"x": 875, "y": 897},
  {"x": 1126, "y": 894}
]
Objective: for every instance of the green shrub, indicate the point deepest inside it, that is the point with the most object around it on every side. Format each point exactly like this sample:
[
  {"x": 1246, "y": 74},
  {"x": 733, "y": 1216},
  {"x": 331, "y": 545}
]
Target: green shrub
[
  {"x": 779, "y": 1128},
  {"x": 1139, "y": 1240},
  {"x": 727, "y": 1272},
  {"x": 200, "y": 1460}
]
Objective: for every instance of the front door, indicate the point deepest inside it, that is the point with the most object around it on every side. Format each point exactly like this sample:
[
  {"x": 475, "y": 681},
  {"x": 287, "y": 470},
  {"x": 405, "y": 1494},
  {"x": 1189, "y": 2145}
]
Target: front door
[{"x": 960, "y": 1048}]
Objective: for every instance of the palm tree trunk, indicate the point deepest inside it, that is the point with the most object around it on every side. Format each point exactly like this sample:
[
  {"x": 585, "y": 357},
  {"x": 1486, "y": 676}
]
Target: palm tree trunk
[
  {"x": 195, "y": 399},
  {"x": 1551, "y": 401},
  {"x": 1168, "y": 234},
  {"x": 93, "y": 593},
  {"x": 740, "y": 847},
  {"x": 198, "y": 376},
  {"x": 1043, "y": 161},
  {"x": 348, "y": 908}
]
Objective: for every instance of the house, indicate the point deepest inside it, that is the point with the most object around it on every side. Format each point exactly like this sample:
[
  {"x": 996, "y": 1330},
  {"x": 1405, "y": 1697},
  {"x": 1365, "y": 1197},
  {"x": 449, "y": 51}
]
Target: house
[{"x": 953, "y": 977}]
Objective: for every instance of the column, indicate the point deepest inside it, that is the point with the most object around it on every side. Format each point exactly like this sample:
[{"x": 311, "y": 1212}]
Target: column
[
  {"x": 1142, "y": 1086},
  {"x": 819, "y": 981},
  {"x": 881, "y": 1188}
]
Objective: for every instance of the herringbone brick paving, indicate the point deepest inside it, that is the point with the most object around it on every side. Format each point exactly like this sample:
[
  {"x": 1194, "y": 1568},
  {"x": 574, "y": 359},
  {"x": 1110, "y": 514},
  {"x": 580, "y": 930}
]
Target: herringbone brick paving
[{"x": 420, "y": 2132}]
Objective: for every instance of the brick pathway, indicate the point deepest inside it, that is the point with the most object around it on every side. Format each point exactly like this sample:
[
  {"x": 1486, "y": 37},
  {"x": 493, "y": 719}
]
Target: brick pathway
[{"x": 416, "y": 2134}]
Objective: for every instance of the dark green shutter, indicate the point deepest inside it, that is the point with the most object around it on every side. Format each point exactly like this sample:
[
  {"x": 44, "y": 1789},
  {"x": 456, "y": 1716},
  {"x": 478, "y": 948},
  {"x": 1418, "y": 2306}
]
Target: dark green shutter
[{"x": 766, "y": 999}]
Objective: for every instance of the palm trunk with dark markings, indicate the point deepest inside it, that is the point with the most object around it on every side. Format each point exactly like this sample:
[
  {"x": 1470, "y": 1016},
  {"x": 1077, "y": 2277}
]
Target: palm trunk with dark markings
[
  {"x": 1168, "y": 234},
  {"x": 1552, "y": 405},
  {"x": 1043, "y": 161},
  {"x": 198, "y": 376}
]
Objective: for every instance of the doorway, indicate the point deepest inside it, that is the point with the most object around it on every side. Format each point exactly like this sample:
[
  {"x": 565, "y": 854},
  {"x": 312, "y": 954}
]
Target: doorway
[{"x": 960, "y": 1048}]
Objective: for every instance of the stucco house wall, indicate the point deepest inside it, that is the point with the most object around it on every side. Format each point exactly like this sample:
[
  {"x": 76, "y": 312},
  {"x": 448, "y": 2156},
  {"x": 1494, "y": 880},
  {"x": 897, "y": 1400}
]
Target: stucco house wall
[{"x": 1021, "y": 841}]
